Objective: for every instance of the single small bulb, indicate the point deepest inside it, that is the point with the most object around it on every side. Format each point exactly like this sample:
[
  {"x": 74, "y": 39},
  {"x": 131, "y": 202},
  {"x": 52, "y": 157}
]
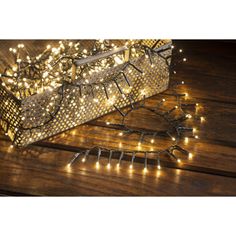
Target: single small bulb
[
  {"x": 173, "y": 138},
  {"x": 108, "y": 166},
  {"x": 108, "y": 123},
  {"x": 176, "y": 107},
  {"x": 202, "y": 119},
  {"x": 139, "y": 143},
  {"x": 194, "y": 130},
  {"x": 83, "y": 160},
  {"x": 120, "y": 134},
  {"x": 182, "y": 82},
  {"x": 48, "y": 46},
  {"x": 189, "y": 116},
  {"x": 152, "y": 140},
  {"x": 197, "y": 104},
  {"x": 190, "y": 155},
  {"x": 131, "y": 166},
  {"x": 181, "y": 50},
  {"x": 196, "y": 137},
  {"x": 186, "y": 139},
  {"x": 163, "y": 100},
  {"x": 158, "y": 167},
  {"x": 184, "y": 59},
  {"x": 178, "y": 160},
  {"x": 117, "y": 165},
  {"x": 97, "y": 164},
  {"x": 11, "y": 146},
  {"x": 186, "y": 94},
  {"x": 145, "y": 169}
]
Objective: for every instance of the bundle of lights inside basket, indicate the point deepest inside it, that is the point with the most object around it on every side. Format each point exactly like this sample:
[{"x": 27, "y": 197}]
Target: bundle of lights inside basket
[
  {"x": 48, "y": 70},
  {"x": 53, "y": 68}
]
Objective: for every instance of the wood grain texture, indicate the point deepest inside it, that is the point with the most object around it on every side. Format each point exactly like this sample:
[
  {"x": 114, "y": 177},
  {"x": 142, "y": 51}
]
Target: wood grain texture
[
  {"x": 209, "y": 76},
  {"x": 31, "y": 171}
]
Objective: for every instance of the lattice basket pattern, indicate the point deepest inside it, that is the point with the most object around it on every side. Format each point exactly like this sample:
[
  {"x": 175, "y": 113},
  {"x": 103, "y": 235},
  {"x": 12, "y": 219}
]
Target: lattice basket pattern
[{"x": 42, "y": 115}]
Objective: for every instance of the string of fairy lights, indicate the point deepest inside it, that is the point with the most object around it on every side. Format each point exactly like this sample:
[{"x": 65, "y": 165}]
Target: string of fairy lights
[
  {"x": 53, "y": 69},
  {"x": 176, "y": 126}
]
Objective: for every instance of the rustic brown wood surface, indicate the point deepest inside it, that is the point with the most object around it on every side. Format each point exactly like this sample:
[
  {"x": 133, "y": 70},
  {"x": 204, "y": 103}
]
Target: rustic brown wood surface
[{"x": 210, "y": 79}]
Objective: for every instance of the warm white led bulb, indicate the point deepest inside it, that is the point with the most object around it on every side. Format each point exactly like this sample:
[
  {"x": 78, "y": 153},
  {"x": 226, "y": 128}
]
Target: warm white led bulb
[
  {"x": 97, "y": 164},
  {"x": 202, "y": 119},
  {"x": 186, "y": 139}
]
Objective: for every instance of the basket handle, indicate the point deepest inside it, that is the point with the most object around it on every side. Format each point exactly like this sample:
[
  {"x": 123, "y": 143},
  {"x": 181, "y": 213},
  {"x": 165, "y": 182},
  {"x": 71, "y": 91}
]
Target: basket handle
[{"x": 99, "y": 56}]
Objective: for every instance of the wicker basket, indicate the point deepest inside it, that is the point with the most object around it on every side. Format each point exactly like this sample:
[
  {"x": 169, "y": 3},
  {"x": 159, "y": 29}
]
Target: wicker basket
[{"x": 73, "y": 103}]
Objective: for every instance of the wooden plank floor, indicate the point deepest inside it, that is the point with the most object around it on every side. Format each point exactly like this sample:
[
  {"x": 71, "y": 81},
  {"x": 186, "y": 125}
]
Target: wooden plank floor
[{"x": 210, "y": 79}]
